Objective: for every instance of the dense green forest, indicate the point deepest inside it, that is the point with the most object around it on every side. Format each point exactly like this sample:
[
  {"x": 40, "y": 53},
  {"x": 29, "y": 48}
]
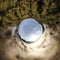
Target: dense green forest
[{"x": 14, "y": 11}]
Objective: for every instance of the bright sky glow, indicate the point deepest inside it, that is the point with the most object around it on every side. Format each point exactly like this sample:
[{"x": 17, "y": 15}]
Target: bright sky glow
[{"x": 30, "y": 30}]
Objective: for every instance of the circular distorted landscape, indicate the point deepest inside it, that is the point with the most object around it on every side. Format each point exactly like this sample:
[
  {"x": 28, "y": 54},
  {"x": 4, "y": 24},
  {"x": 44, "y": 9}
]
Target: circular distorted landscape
[{"x": 29, "y": 29}]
